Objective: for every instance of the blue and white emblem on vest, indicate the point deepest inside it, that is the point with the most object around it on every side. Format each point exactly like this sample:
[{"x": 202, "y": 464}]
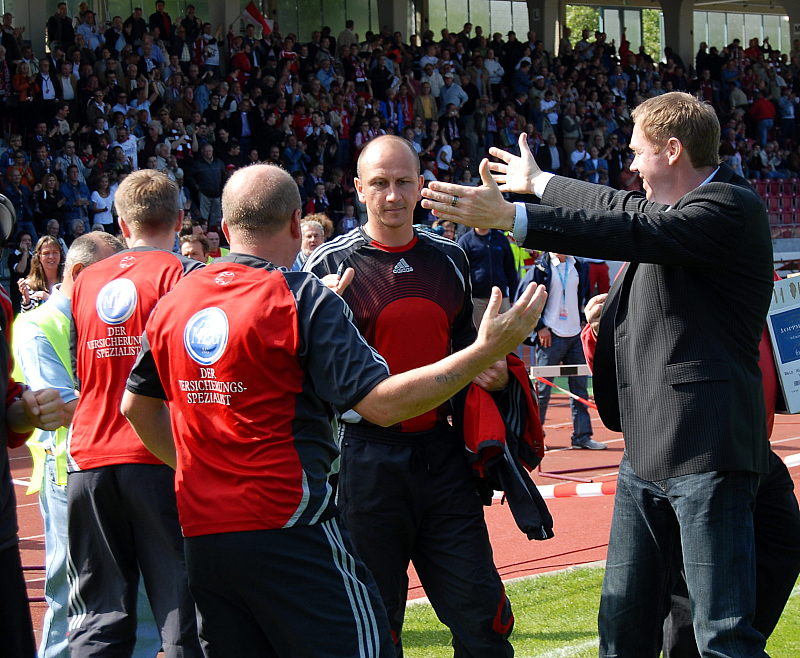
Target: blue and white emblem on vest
[
  {"x": 116, "y": 301},
  {"x": 206, "y": 335}
]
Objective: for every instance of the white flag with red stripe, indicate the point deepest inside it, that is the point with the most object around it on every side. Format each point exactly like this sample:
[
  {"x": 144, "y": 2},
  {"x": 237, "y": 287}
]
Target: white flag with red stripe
[{"x": 252, "y": 15}]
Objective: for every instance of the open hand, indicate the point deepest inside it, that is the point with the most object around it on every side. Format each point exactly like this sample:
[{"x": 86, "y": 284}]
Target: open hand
[
  {"x": 516, "y": 172},
  {"x": 481, "y": 207},
  {"x": 503, "y": 332}
]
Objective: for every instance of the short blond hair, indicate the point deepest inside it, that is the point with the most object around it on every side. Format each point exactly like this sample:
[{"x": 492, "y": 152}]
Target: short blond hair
[
  {"x": 259, "y": 201},
  {"x": 148, "y": 201},
  {"x": 684, "y": 117}
]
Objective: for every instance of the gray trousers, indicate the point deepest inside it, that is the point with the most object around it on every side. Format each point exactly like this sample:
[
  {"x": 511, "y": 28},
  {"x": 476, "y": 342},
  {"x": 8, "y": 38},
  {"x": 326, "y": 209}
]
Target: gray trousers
[{"x": 123, "y": 521}]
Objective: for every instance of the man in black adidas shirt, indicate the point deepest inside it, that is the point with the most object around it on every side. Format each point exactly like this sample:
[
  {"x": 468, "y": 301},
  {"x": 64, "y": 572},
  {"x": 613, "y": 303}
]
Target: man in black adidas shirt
[{"x": 406, "y": 492}]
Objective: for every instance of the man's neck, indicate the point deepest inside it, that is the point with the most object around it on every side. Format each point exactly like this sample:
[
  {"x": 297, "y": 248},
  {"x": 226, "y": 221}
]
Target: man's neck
[
  {"x": 389, "y": 236},
  {"x": 278, "y": 252},
  {"x": 686, "y": 181},
  {"x": 163, "y": 241}
]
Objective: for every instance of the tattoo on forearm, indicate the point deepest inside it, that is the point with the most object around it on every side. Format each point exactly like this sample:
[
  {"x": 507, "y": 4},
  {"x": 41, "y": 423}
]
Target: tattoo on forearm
[{"x": 448, "y": 377}]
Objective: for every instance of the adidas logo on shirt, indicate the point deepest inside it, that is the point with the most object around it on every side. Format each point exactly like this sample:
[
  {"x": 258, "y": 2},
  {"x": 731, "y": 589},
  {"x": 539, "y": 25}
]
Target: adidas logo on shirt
[{"x": 402, "y": 267}]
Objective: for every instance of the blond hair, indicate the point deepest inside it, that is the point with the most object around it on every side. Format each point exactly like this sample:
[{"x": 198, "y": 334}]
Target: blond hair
[
  {"x": 148, "y": 200},
  {"x": 37, "y": 279},
  {"x": 691, "y": 121}
]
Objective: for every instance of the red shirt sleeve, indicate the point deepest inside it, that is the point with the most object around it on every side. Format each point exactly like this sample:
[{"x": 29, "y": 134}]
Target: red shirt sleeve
[
  {"x": 589, "y": 342},
  {"x": 13, "y": 389}
]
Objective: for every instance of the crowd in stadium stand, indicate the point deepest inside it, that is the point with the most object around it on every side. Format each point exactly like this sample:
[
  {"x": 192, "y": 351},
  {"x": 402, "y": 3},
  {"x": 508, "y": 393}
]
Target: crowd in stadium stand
[{"x": 197, "y": 101}]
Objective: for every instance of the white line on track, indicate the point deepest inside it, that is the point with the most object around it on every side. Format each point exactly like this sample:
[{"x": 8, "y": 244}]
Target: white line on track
[
  {"x": 791, "y": 438},
  {"x": 569, "y": 650},
  {"x": 32, "y": 537}
]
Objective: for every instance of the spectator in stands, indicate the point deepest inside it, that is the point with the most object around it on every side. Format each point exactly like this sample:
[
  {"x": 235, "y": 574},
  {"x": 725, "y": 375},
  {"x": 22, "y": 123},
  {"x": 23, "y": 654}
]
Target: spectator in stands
[
  {"x": 206, "y": 177},
  {"x": 451, "y": 93},
  {"x": 53, "y": 229},
  {"x": 45, "y": 273},
  {"x": 48, "y": 201},
  {"x": 595, "y": 166},
  {"x": 21, "y": 198},
  {"x": 579, "y": 155},
  {"x": 19, "y": 266},
  {"x": 196, "y": 247},
  {"x": 762, "y": 113},
  {"x": 102, "y": 198},
  {"x": 312, "y": 235},
  {"x": 214, "y": 248},
  {"x": 76, "y": 194},
  {"x": 89, "y": 31},
  {"x": 59, "y": 26}
]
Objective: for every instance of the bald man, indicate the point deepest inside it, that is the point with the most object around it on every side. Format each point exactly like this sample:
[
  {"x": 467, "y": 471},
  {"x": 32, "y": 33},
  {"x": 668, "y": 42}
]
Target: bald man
[
  {"x": 270, "y": 354},
  {"x": 406, "y": 492}
]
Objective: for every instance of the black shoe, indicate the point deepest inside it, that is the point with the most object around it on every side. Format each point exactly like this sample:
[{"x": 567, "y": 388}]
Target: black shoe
[{"x": 590, "y": 444}]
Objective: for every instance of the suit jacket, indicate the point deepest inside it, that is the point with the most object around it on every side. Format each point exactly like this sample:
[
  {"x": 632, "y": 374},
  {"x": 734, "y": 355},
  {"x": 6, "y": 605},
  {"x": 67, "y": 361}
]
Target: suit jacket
[
  {"x": 234, "y": 124},
  {"x": 55, "y": 80},
  {"x": 545, "y": 161},
  {"x": 676, "y": 366}
]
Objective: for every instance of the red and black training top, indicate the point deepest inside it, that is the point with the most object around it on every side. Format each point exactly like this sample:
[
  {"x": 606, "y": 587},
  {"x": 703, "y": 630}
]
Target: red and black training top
[
  {"x": 111, "y": 303},
  {"x": 253, "y": 362},
  {"x": 413, "y": 303}
]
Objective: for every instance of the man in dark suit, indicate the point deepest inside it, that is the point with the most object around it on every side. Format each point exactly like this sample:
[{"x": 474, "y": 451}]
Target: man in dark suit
[
  {"x": 676, "y": 365},
  {"x": 242, "y": 124},
  {"x": 160, "y": 19},
  {"x": 551, "y": 157}
]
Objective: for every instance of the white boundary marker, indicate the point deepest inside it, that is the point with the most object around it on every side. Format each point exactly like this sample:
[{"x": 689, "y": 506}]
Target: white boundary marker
[
  {"x": 566, "y": 490},
  {"x": 559, "y": 371}
]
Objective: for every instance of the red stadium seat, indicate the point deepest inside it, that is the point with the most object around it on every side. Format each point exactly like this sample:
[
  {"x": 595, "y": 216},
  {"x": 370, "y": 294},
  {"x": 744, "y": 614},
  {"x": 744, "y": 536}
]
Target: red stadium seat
[
  {"x": 761, "y": 188},
  {"x": 773, "y": 204},
  {"x": 774, "y": 187}
]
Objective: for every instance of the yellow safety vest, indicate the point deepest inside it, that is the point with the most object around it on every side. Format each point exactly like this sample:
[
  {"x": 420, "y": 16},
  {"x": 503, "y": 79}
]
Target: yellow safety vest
[
  {"x": 56, "y": 327},
  {"x": 222, "y": 252}
]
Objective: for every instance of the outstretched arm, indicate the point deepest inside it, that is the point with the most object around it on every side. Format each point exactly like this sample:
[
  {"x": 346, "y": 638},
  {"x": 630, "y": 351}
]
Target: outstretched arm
[
  {"x": 412, "y": 393},
  {"x": 484, "y": 206},
  {"x": 480, "y": 207}
]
